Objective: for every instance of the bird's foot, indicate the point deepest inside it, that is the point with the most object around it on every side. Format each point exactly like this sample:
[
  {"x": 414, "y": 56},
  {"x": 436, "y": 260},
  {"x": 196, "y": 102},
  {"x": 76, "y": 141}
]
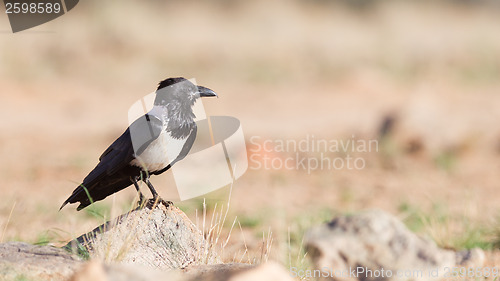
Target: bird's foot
[{"x": 156, "y": 200}]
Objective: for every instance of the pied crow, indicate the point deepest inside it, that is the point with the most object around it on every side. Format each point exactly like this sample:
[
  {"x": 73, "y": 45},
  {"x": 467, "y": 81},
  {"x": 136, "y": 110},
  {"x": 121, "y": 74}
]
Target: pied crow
[{"x": 149, "y": 146}]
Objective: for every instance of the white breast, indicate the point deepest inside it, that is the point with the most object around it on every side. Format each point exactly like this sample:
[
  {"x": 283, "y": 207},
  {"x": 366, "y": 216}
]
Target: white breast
[{"x": 159, "y": 153}]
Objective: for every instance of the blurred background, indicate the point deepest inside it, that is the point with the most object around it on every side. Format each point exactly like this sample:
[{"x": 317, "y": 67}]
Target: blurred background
[{"x": 420, "y": 77}]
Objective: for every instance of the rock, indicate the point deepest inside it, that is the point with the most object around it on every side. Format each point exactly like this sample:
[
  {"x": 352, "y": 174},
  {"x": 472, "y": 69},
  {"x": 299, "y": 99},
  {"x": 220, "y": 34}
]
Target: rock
[
  {"x": 21, "y": 260},
  {"x": 222, "y": 271},
  {"x": 159, "y": 236},
  {"x": 91, "y": 271},
  {"x": 269, "y": 271},
  {"x": 157, "y": 242},
  {"x": 383, "y": 247},
  {"x": 97, "y": 271}
]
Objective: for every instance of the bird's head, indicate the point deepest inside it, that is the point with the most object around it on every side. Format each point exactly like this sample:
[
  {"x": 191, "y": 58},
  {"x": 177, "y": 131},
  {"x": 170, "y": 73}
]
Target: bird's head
[{"x": 180, "y": 91}]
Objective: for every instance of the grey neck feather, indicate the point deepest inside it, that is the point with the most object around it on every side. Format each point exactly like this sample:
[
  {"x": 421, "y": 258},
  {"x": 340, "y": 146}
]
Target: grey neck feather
[{"x": 179, "y": 122}]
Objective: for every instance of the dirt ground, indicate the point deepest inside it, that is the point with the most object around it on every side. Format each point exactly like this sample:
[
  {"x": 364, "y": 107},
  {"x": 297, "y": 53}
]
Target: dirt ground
[{"x": 287, "y": 71}]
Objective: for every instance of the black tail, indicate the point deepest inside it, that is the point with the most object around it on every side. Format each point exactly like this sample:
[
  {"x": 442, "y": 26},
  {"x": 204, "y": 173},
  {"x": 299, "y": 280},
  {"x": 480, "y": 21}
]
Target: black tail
[
  {"x": 88, "y": 194},
  {"x": 80, "y": 194}
]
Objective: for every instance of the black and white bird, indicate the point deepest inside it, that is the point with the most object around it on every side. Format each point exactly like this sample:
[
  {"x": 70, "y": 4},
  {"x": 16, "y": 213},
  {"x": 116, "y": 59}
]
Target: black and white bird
[{"x": 149, "y": 146}]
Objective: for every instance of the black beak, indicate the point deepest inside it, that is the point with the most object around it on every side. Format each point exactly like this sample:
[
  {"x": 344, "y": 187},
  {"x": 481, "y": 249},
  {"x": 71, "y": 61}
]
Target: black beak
[{"x": 206, "y": 92}]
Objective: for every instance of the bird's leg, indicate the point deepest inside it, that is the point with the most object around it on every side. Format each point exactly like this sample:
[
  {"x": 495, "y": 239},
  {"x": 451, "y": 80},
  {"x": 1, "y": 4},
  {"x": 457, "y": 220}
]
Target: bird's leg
[
  {"x": 151, "y": 188},
  {"x": 156, "y": 198},
  {"x": 141, "y": 197}
]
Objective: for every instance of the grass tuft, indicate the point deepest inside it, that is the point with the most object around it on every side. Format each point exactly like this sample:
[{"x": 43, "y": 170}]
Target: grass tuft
[{"x": 448, "y": 231}]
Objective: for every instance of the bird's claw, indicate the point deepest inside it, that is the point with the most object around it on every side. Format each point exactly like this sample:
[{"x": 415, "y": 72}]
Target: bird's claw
[{"x": 155, "y": 201}]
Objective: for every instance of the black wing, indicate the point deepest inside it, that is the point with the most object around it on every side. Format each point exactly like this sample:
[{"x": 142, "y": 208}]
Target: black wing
[{"x": 108, "y": 176}]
